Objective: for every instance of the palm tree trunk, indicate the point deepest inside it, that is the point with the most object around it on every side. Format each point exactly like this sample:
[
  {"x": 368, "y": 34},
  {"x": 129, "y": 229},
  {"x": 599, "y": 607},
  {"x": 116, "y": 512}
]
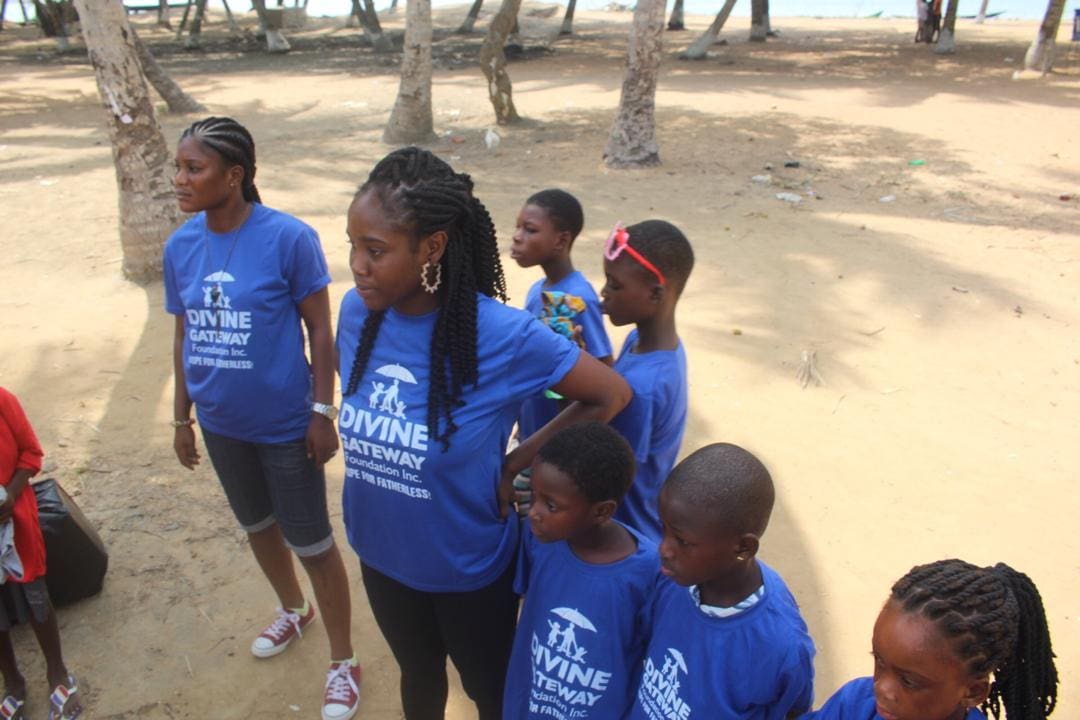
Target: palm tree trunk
[
  {"x": 981, "y": 17},
  {"x": 184, "y": 19},
  {"x": 1040, "y": 56},
  {"x": 233, "y": 27},
  {"x": 177, "y": 100},
  {"x": 411, "y": 119},
  {"x": 275, "y": 40},
  {"x": 701, "y": 46},
  {"x": 759, "y": 20},
  {"x": 676, "y": 21},
  {"x": 632, "y": 141},
  {"x": 568, "y": 19},
  {"x": 163, "y": 14},
  {"x": 946, "y": 44},
  {"x": 493, "y": 62},
  {"x": 194, "y": 38},
  {"x": 469, "y": 22},
  {"x": 370, "y": 18},
  {"x": 148, "y": 211}
]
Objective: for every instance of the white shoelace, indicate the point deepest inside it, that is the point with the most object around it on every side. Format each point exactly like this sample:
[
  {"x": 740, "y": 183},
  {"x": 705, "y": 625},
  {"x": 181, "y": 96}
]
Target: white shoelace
[
  {"x": 340, "y": 685},
  {"x": 280, "y": 626}
]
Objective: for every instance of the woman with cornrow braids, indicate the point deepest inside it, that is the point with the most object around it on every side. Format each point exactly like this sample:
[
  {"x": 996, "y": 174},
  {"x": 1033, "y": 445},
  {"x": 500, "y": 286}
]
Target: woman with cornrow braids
[
  {"x": 243, "y": 282},
  {"x": 434, "y": 369},
  {"x": 955, "y": 641}
]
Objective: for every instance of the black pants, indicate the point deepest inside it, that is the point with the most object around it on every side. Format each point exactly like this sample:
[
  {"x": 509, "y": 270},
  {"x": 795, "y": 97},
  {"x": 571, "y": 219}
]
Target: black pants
[{"x": 476, "y": 629}]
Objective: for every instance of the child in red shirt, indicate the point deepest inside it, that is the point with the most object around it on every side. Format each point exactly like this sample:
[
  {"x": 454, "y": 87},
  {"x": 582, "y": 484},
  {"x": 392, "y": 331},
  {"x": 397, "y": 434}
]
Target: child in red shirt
[{"x": 25, "y": 598}]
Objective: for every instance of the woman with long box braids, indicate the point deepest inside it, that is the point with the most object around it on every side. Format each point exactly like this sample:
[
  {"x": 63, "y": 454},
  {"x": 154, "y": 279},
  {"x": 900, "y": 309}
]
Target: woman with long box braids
[{"x": 434, "y": 369}]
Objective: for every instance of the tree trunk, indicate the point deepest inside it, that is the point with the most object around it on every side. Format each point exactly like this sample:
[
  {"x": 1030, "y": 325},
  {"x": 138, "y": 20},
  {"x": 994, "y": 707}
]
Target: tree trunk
[
  {"x": 275, "y": 41},
  {"x": 370, "y": 19},
  {"x": 493, "y": 62},
  {"x": 194, "y": 38},
  {"x": 632, "y": 141},
  {"x": 1040, "y": 56},
  {"x": 177, "y": 100},
  {"x": 946, "y": 44},
  {"x": 148, "y": 211},
  {"x": 233, "y": 27},
  {"x": 469, "y": 22},
  {"x": 701, "y": 46},
  {"x": 163, "y": 14},
  {"x": 759, "y": 13},
  {"x": 981, "y": 17},
  {"x": 411, "y": 119},
  {"x": 676, "y": 21},
  {"x": 184, "y": 19},
  {"x": 568, "y": 19}
]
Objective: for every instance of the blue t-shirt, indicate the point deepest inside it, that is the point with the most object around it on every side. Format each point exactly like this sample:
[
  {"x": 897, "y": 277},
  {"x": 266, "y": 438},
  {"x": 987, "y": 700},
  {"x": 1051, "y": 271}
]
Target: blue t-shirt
[
  {"x": 426, "y": 517},
  {"x": 653, "y": 424},
  {"x": 855, "y": 701},
  {"x": 581, "y": 633},
  {"x": 756, "y": 665},
  {"x": 538, "y": 411},
  {"x": 239, "y": 294}
]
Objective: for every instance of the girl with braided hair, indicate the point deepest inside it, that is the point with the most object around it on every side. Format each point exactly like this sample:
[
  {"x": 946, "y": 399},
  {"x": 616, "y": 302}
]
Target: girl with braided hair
[
  {"x": 955, "y": 641},
  {"x": 434, "y": 369},
  {"x": 243, "y": 282}
]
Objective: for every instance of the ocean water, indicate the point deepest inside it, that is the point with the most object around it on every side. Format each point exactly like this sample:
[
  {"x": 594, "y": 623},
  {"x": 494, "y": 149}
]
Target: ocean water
[{"x": 1011, "y": 9}]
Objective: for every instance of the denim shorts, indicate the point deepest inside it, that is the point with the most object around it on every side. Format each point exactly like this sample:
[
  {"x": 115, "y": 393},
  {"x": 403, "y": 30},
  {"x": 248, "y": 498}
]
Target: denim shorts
[{"x": 274, "y": 483}]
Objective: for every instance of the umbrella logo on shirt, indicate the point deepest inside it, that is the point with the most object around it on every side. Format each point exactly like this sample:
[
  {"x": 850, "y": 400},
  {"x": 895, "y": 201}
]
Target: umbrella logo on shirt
[
  {"x": 213, "y": 294},
  {"x": 384, "y": 395},
  {"x": 564, "y": 638},
  {"x": 658, "y": 694}
]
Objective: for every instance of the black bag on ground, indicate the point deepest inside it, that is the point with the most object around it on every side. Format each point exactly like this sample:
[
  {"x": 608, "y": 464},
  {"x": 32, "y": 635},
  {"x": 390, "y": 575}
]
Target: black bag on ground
[{"x": 75, "y": 557}]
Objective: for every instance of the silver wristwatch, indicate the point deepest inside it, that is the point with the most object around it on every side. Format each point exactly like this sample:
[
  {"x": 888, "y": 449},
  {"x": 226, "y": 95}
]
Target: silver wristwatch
[{"x": 328, "y": 411}]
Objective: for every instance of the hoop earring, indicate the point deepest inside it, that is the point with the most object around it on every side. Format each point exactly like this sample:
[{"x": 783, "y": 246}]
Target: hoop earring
[{"x": 433, "y": 286}]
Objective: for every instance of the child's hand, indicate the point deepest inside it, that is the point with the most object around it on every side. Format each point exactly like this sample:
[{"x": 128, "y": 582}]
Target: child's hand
[
  {"x": 322, "y": 439},
  {"x": 184, "y": 446},
  {"x": 6, "y": 508},
  {"x": 512, "y": 466}
]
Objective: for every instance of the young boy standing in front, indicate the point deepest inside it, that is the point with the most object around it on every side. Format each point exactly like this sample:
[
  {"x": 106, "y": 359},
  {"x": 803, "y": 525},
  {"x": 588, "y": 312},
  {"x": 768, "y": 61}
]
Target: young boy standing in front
[
  {"x": 586, "y": 579},
  {"x": 646, "y": 266},
  {"x": 547, "y": 226},
  {"x": 727, "y": 637}
]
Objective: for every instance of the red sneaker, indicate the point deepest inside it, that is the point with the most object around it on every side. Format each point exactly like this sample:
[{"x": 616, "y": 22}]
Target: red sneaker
[
  {"x": 341, "y": 699},
  {"x": 278, "y": 634}
]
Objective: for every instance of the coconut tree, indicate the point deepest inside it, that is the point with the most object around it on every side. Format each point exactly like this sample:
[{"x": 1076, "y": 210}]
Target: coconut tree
[
  {"x": 1040, "y": 56},
  {"x": 946, "y": 44},
  {"x": 632, "y": 141},
  {"x": 175, "y": 98},
  {"x": 759, "y": 20},
  {"x": 701, "y": 46},
  {"x": 469, "y": 22},
  {"x": 411, "y": 119},
  {"x": 275, "y": 40},
  {"x": 493, "y": 62},
  {"x": 676, "y": 21},
  {"x": 369, "y": 21},
  {"x": 980, "y": 18},
  {"x": 148, "y": 211}
]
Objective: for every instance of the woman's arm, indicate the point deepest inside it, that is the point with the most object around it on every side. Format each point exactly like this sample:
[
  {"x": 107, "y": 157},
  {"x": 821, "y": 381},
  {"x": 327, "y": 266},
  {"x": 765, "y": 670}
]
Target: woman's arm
[
  {"x": 322, "y": 440},
  {"x": 27, "y": 450},
  {"x": 183, "y": 435},
  {"x": 598, "y": 393}
]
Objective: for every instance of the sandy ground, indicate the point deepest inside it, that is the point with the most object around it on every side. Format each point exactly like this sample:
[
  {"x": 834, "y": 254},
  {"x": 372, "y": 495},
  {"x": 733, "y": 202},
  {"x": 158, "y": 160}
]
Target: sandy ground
[{"x": 944, "y": 321}]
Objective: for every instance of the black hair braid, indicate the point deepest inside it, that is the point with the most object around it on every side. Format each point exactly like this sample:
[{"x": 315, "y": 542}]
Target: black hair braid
[
  {"x": 372, "y": 323},
  {"x": 233, "y": 143},
  {"x": 422, "y": 193},
  {"x": 995, "y": 622}
]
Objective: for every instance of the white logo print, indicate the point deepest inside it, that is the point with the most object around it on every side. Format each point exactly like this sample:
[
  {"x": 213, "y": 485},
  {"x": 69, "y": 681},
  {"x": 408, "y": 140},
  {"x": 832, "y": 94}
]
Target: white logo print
[
  {"x": 389, "y": 395},
  {"x": 564, "y": 686},
  {"x": 383, "y": 447},
  {"x": 214, "y": 295},
  {"x": 659, "y": 693}
]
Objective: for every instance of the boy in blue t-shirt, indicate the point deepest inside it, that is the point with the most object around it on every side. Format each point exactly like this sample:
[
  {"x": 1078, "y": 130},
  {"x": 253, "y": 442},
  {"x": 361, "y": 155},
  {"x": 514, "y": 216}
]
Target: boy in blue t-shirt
[
  {"x": 647, "y": 266},
  {"x": 727, "y": 637},
  {"x": 587, "y": 580},
  {"x": 546, "y": 229}
]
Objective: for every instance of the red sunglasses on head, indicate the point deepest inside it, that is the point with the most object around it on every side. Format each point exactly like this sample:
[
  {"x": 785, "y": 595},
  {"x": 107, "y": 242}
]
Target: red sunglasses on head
[{"x": 619, "y": 240}]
